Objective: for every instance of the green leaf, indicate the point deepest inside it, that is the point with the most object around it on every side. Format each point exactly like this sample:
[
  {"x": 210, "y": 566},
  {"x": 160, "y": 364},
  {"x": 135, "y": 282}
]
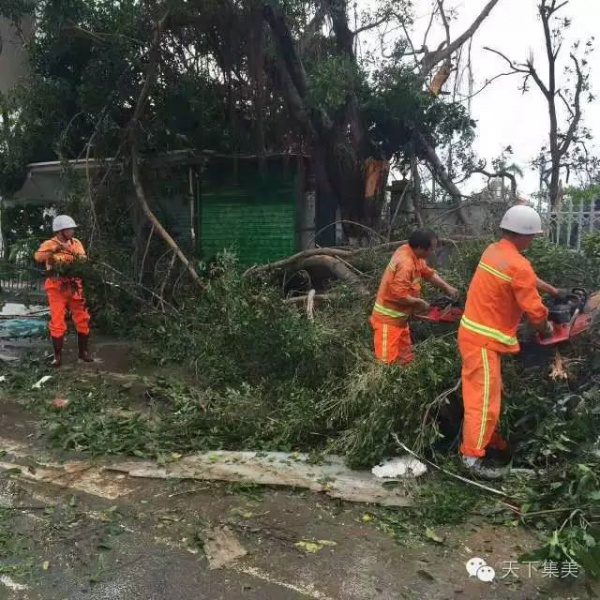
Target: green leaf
[{"x": 430, "y": 534}]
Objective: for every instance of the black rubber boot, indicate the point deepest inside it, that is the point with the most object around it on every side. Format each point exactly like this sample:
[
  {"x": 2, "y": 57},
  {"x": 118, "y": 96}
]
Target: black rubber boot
[
  {"x": 499, "y": 457},
  {"x": 83, "y": 343},
  {"x": 57, "y": 345}
]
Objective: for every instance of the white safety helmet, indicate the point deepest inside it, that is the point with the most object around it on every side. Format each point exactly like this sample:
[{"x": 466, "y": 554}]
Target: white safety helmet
[
  {"x": 523, "y": 220},
  {"x": 63, "y": 222}
]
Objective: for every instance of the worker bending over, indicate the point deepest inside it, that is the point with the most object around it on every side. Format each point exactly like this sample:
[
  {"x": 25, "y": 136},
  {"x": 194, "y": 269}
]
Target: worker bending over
[
  {"x": 503, "y": 288},
  {"x": 399, "y": 297},
  {"x": 64, "y": 292}
]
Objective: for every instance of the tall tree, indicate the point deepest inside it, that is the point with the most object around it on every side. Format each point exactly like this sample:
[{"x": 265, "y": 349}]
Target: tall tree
[
  {"x": 251, "y": 76},
  {"x": 564, "y": 99}
]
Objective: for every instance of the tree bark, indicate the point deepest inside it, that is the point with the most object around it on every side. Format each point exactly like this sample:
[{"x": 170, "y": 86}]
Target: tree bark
[
  {"x": 133, "y": 131},
  {"x": 336, "y": 267},
  {"x": 343, "y": 253},
  {"x": 442, "y": 175}
]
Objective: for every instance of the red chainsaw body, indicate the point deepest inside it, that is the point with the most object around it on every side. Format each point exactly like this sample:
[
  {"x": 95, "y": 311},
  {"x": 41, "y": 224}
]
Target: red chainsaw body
[
  {"x": 437, "y": 314},
  {"x": 570, "y": 317}
]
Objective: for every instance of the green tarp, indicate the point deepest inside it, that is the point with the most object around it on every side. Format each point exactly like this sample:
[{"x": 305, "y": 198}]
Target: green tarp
[{"x": 23, "y": 328}]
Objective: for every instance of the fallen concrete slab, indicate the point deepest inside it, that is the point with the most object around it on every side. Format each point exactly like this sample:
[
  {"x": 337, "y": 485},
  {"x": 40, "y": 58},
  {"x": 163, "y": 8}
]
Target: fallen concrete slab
[{"x": 331, "y": 477}]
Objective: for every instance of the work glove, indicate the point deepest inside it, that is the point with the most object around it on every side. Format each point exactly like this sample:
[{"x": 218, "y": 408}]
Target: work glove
[{"x": 561, "y": 294}]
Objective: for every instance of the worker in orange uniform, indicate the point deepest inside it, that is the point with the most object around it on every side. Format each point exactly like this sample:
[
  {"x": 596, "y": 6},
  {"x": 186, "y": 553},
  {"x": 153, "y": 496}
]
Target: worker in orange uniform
[
  {"x": 399, "y": 298},
  {"x": 64, "y": 292},
  {"x": 503, "y": 288}
]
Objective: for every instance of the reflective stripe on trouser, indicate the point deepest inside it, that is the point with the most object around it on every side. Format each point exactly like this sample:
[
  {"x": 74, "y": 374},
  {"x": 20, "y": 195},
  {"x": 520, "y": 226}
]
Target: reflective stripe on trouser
[
  {"x": 393, "y": 344},
  {"x": 481, "y": 390},
  {"x": 60, "y": 299}
]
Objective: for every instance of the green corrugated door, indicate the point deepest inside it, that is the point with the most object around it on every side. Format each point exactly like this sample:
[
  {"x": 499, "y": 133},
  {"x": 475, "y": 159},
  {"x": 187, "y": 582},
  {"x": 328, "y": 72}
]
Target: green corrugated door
[{"x": 254, "y": 219}]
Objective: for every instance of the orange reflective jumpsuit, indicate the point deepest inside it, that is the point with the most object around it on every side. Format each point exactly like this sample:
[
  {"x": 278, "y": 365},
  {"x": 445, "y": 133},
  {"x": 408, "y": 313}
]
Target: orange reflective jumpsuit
[
  {"x": 389, "y": 318},
  {"x": 503, "y": 288},
  {"x": 64, "y": 292}
]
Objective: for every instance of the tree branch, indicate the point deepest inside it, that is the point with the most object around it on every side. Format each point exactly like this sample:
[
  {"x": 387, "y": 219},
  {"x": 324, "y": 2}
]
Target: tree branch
[
  {"x": 503, "y": 173},
  {"x": 340, "y": 253},
  {"x": 576, "y": 115},
  {"x": 566, "y": 103},
  {"x": 547, "y": 91},
  {"x": 440, "y": 4},
  {"x": 527, "y": 69},
  {"x": 132, "y": 132},
  {"x": 372, "y": 25},
  {"x": 514, "y": 66},
  {"x": 293, "y": 66},
  {"x": 441, "y": 54},
  {"x": 313, "y": 27},
  {"x": 440, "y": 171},
  {"x": 545, "y": 16},
  {"x": 486, "y": 85},
  {"x": 429, "y": 26}
]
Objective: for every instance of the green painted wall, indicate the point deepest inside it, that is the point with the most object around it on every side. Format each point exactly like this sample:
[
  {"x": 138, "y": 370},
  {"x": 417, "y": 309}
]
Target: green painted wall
[{"x": 243, "y": 212}]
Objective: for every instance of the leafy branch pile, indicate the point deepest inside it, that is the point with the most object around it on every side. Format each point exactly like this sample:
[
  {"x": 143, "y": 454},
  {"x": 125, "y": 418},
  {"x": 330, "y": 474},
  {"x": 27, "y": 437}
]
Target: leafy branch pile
[{"x": 256, "y": 373}]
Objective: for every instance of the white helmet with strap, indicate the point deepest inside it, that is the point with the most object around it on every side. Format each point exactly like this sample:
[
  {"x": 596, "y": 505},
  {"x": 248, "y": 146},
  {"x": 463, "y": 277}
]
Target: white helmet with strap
[
  {"x": 523, "y": 220},
  {"x": 63, "y": 222}
]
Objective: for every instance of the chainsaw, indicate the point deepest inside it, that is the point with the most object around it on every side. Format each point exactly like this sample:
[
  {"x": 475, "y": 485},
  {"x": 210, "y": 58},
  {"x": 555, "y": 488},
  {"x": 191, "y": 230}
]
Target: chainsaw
[
  {"x": 442, "y": 310},
  {"x": 570, "y": 316}
]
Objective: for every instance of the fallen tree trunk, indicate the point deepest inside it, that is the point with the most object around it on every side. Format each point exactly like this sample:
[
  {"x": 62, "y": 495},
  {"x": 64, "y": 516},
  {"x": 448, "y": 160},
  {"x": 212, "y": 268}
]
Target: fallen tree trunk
[
  {"x": 301, "y": 258},
  {"x": 336, "y": 267},
  {"x": 304, "y": 298}
]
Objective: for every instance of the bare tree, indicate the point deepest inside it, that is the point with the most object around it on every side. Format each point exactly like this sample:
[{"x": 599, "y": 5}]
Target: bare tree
[
  {"x": 436, "y": 67},
  {"x": 443, "y": 54},
  {"x": 569, "y": 94}
]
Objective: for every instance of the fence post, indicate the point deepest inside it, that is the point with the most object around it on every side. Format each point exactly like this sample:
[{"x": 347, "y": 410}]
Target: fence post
[{"x": 580, "y": 226}]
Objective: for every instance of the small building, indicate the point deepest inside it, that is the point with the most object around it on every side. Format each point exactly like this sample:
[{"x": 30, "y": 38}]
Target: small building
[{"x": 260, "y": 208}]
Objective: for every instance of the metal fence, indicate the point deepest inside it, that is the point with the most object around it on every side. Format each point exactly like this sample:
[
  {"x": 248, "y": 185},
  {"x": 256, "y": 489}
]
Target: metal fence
[
  {"x": 569, "y": 225},
  {"x": 19, "y": 273}
]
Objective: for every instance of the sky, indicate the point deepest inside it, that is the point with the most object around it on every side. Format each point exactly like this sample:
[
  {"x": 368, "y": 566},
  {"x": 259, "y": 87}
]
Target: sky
[{"x": 503, "y": 114}]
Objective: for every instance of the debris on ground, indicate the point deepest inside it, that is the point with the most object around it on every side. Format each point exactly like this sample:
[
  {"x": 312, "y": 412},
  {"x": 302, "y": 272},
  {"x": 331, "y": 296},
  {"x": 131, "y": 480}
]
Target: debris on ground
[
  {"x": 38, "y": 385},
  {"x": 267, "y": 468},
  {"x": 12, "y": 585},
  {"x": 82, "y": 476},
  {"x": 60, "y": 403},
  {"x": 18, "y": 321},
  {"x": 23, "y": 328},
  {"x": 405, "y": 466},
  {"x": 559, "y": 369},
  {"x": 332, "y": 477},
  {"x": 313, "y": 546},
  {"x": 222, "y": 548}
]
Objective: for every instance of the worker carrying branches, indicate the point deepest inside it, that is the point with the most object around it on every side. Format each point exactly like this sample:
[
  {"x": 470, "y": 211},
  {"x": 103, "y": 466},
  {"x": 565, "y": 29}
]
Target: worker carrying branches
[
  {"x": 399, "y": 297},
  {"x": 64, "y": 290},
  {"x": 503, "y": 288}
]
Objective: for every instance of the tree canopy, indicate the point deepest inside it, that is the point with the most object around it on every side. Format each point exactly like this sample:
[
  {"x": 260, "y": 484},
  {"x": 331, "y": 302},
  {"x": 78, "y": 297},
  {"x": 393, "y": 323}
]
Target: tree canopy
[{"x": 232, "y": 76}]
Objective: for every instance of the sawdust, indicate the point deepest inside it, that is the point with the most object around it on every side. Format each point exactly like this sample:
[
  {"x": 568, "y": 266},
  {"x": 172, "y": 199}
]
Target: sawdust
[{"x": 559, "y": 368}]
